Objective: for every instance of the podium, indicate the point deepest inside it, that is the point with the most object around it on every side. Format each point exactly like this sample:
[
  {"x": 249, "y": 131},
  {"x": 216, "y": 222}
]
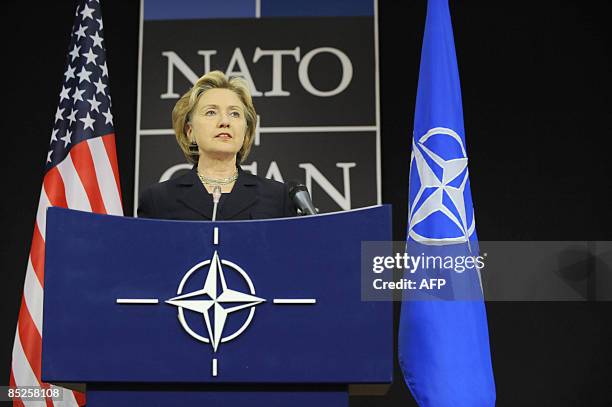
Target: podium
[{"x": 229, "y": 313}]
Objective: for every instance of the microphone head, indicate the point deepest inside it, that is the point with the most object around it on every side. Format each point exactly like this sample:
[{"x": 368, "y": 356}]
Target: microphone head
[
  {"x": 301, "y": 198},
  {"x": 295, "y": 187},
  {"x": 216, "y": 194}
]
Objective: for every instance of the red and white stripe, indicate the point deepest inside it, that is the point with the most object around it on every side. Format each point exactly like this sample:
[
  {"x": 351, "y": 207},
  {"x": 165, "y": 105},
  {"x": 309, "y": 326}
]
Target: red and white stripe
[{"x": 87, "y": 179}]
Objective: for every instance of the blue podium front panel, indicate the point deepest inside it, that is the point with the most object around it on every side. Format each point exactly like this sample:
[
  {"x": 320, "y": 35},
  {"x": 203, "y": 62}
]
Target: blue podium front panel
[
  {"x": 234, "y": 398},
  {"x": 264, "y": 301}
]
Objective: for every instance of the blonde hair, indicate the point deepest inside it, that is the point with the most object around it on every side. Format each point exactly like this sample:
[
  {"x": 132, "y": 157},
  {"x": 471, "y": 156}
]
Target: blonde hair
[{"x": 181, "y": 114}]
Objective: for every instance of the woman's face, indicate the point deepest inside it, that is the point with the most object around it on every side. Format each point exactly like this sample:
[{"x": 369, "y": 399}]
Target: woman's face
[{"x": 218, "y": 123}]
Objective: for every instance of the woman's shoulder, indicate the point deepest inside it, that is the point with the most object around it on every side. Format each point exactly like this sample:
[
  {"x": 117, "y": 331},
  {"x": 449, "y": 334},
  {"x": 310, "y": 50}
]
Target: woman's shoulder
[
  {"x": 265, "y": 184},
  {"x": 153, "y": 199},
  {"x": 171, "y": 184},
  {"x": 274, "y": 200}
]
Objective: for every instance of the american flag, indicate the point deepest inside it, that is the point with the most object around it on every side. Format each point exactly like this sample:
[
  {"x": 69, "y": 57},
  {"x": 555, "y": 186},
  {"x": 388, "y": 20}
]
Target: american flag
[{"x": 80, "y": 173}]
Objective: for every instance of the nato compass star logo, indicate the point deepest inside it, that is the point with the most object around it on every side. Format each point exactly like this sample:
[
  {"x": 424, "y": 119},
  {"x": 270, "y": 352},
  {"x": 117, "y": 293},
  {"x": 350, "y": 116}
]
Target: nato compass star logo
[
  {"x": 439, "y": 189},
  {"x": 216, "y": 295},
  {"x": 215, "y": 301}
]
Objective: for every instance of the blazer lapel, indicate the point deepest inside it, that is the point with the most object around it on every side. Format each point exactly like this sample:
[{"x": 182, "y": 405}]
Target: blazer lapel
[
  {"x": 243, "y": 196},
  {"x": 195, "y": 196}
]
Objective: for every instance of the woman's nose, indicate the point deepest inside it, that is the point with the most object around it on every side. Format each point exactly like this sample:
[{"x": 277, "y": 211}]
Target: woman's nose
[{"x": 224, "y": 120}]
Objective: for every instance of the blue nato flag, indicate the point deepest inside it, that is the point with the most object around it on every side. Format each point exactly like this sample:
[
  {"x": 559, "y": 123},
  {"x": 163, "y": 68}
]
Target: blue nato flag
[{"x": 443, "y": 344}]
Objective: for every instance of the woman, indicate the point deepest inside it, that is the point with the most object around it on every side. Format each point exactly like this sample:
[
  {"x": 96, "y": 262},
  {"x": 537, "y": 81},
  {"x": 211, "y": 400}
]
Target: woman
[{"x": 214, "y": 123}]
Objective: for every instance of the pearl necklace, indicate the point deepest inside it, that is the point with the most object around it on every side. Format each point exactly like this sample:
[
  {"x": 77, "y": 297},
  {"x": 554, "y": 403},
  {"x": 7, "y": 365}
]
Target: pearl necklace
[{"x": 217, "y": 181}]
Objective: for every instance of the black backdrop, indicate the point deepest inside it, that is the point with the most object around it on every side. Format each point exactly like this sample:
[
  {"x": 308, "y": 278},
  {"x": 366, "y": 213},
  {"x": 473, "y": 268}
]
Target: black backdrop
[{"x": 538, "y": 112}]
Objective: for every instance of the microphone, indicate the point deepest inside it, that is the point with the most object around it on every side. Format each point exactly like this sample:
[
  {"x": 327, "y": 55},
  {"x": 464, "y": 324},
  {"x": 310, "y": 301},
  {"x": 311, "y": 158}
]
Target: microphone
[
  {"x": 216, "y": 197},
  {"x": 301, "y": 198}
]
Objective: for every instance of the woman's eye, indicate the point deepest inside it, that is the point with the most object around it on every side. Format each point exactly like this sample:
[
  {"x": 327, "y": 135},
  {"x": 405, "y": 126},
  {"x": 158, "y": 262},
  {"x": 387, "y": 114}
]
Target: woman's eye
[
  {"x": 210, "y": 113},
  {"x": 235, "y": 114}
]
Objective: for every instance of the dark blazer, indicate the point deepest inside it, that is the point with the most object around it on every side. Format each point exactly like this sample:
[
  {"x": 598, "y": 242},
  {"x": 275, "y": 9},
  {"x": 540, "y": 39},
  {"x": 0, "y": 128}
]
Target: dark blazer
[{"x": 185, "y": 198}]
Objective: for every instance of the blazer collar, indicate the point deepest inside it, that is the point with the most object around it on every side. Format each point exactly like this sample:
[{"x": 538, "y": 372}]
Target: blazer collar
[{"x": 194, "y": 195}]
